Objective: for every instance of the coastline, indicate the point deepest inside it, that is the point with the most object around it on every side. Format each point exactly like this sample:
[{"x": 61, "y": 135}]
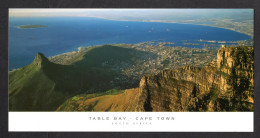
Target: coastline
[
  {"x": 160, "y": 21},
  {"x": 81, "y": 49},
  {"x": 75, "y": 52}
]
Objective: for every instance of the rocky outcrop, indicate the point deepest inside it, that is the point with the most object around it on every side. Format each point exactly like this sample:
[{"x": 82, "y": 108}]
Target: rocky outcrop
[
  {"x": 40, "y": 60},
  {"x": 226, "y": 85}
]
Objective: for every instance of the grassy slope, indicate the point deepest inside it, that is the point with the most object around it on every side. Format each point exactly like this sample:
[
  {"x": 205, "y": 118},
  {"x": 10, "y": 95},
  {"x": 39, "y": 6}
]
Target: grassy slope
[
  {"x": 43, "y": 85},
  {"x": 117, "y": 100}
]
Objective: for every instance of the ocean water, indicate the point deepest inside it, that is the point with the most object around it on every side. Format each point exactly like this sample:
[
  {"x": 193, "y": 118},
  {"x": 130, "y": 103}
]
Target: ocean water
[{"x": 67, "y": 34}]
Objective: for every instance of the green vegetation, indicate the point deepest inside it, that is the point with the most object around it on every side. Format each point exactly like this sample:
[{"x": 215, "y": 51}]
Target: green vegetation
[
  {"x": 31, "y": 26},
  {"x": 112, "y": 54},
  {"x": 83, "y": 97},
  {"x": 43, "y": 85},
  {"x": 97, "y": 94},
  {"x": 75, "y": 98}
]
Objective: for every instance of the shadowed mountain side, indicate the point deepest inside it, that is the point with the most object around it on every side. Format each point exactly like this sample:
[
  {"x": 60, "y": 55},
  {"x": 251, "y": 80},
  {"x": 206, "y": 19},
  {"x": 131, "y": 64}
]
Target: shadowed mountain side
[
  {"x": 113, "y": 55},
  {"x": 106, "y": 64},
  {"x": 43, "y": 85}
]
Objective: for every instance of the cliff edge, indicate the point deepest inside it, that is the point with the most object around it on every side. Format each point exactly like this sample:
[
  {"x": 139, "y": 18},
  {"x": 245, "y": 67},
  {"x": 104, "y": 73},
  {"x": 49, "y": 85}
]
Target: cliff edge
[{"x": 226, "y": 84}]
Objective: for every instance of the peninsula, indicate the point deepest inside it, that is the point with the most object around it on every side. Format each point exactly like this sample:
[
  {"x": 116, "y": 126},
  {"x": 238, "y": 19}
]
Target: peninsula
[{"x": 31, "y": 26}]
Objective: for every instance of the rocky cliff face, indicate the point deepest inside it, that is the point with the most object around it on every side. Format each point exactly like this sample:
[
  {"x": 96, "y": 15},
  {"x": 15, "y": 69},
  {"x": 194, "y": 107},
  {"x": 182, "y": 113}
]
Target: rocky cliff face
[{"x": 226, "y": 85}]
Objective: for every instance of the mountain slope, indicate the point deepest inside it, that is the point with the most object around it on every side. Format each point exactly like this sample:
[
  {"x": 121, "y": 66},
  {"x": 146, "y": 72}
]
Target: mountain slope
[
  {"x": 120, "y": 100},
  {"x": 43, "y": 85},
  {"x": 224, "y": 85}
]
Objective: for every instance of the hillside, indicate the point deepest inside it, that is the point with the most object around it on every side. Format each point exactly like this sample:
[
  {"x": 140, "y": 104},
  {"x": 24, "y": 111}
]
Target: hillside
[
  {"x": 44, "y": 85},
  {"x": 117, "y": 100},
  {"x": 224, "y": 85},
  {"x": 41, "y": 85}
]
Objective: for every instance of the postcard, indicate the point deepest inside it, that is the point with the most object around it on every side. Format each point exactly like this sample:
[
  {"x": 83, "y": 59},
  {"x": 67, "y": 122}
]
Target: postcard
[{"x": 167, "y": 70}]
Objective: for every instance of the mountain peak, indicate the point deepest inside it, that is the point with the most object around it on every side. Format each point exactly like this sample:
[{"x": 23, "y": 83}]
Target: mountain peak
[{"x": 40, "y": 59}]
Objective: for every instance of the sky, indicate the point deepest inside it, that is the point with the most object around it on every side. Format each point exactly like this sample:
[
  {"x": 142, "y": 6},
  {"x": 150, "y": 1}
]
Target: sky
[
  {"x": 41, "y": 12},
  {"x": 51, "y": 12}
]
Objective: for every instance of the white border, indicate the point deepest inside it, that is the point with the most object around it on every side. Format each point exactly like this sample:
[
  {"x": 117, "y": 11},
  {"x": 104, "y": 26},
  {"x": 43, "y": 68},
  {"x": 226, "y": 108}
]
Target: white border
[{"x": 179, "y": 122}]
